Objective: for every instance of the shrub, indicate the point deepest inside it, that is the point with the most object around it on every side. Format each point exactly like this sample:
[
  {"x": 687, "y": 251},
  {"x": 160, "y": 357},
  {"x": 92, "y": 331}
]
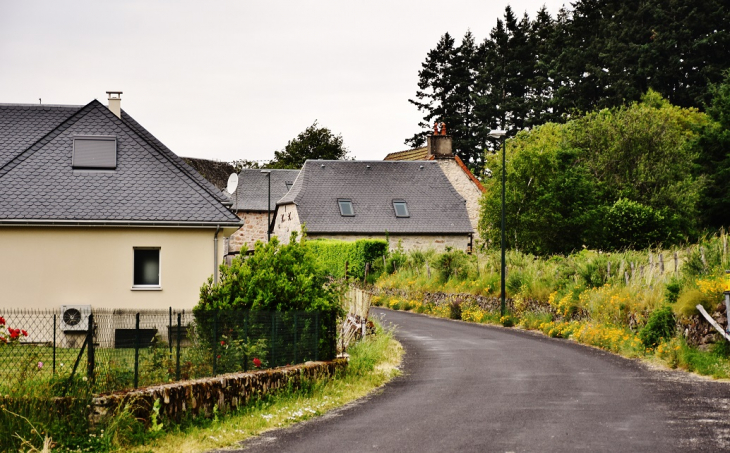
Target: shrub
[
  {"x": 275, "y": 278},
  {"x": 660, "y": 327},
  {"x": 671, "y": 293},
  {"x": 455, "y": 309},
  {"x": 451, "y": 263}
]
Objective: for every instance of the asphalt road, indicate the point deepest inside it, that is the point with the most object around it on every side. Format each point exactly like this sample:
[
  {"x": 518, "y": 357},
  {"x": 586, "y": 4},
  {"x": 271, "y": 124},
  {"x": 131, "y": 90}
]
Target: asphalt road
[{"x": 469, "y": 387}]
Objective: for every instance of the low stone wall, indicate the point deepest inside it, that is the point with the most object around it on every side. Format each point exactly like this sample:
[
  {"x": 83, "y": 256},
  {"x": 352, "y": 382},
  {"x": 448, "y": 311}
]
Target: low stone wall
[{"x": 200, "y": 396}]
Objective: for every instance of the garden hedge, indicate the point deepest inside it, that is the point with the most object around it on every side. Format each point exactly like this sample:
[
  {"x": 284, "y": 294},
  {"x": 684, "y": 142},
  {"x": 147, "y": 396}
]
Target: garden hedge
[{"x": 333, "y": 255}]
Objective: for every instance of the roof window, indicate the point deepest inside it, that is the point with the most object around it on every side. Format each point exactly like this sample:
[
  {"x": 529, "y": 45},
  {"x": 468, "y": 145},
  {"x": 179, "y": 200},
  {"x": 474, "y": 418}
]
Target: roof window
[
  {"x": 401, "y": 208},
  {"x": 346, "y": 209},
  {"x": 288, "y": 185},
  {"x": 95, "y": 152}
]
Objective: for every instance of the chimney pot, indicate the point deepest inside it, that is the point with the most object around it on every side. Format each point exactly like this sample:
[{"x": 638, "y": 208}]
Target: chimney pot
[{"x": 115, "y": 102}]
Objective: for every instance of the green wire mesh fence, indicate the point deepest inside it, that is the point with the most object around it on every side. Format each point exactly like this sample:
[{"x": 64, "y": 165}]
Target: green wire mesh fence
[{"x": 123, "y": 349}]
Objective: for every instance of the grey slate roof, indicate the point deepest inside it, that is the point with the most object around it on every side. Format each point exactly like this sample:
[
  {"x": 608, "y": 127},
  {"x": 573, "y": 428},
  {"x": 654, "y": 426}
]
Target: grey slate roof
[
  {"x": 21, "y": 125},
  {"x": 252, "y": 193},
  {"x": 150, "y": 184},
  {"x": 434, "y": 206}
]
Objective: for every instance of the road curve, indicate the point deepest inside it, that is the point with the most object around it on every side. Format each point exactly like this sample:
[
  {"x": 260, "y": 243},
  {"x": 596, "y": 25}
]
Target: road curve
[{"x": 469, "y": 387}]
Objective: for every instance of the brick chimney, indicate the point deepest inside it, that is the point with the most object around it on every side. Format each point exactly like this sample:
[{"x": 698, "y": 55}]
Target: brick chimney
[
  {"x": 439, "y": 144},
  {"x": 115, "y": 102}
]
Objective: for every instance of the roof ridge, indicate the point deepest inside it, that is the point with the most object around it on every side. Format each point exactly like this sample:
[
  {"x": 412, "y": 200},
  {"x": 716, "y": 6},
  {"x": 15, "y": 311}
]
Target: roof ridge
[
  {"x": 12, "y": 163},
  {"x": 170, "y": 156},
  {"x": 11, "y": 104}
]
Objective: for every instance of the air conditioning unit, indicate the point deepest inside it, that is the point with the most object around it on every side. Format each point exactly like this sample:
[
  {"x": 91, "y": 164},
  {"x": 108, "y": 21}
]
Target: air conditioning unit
[{"x": 75, "y": 318}]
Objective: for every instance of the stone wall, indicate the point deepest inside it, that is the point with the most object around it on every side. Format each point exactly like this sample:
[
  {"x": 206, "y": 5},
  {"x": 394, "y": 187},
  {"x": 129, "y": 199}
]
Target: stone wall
[
  {"x": 253, "y": 229},
  {"x": 200, "y": 396},
  {"x": 287, "y": 220},
  {"x": 465, "y": 187}
]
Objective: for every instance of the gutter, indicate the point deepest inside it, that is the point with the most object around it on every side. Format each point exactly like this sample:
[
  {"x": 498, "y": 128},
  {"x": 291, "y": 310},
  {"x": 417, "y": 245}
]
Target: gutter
[{"x": 118, "y": 223}]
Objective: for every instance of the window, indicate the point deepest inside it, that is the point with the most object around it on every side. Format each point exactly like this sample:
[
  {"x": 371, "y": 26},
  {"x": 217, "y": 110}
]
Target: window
[
  {"x": 95, "y": 153},
  {"x": 346, "y": 209},
  {"x": 146, "y": 268},
  {"x": 401, "y": 208},
  {"x": 288, "y": 185}
]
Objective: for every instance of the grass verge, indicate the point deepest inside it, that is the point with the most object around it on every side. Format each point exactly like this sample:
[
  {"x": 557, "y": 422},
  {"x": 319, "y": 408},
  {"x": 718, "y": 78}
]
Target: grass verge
[{"x": 373, "y": 362}]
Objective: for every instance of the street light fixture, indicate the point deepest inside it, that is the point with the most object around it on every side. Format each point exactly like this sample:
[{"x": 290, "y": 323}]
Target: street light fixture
[
  {"x": 268, "y": 207},
  {"x": 500, "y": 134}
]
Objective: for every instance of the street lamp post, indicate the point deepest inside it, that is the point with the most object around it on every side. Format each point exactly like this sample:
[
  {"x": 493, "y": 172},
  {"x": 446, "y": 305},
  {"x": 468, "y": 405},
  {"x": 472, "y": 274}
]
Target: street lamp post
[
  {"x": 500, "y": 134},
  {"x": 268, "y": 207}
]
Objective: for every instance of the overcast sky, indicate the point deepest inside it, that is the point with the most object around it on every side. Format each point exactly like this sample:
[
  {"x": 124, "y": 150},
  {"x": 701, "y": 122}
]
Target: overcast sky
[{"x": 232, "y": 80}]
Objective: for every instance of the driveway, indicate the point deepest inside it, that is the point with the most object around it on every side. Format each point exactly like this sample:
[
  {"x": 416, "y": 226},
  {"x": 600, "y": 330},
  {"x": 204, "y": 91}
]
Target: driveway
[{"x": 477, "y": 388}]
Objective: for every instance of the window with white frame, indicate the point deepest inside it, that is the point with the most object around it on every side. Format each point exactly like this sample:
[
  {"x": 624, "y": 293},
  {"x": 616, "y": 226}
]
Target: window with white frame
[{"x": 146, "y": 267}]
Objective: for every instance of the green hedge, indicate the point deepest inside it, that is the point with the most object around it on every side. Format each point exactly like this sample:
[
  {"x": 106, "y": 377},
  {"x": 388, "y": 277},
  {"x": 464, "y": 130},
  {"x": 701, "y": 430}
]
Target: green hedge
[{"x": 333, "y": 255}]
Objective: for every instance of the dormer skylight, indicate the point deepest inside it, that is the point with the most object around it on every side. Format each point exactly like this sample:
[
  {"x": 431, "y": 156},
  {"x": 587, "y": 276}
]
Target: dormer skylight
[
  {"x": 94, "y": 152},
  {"x": 401, "y": 208},
  {"x": 346, "y": 209}
]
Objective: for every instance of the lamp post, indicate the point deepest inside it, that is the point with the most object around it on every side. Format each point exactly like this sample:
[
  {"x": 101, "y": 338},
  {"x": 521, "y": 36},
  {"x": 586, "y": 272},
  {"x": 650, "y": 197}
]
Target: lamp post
[
  {"x": 268, "y": 207},
  {"x": 497, "y": 133}
]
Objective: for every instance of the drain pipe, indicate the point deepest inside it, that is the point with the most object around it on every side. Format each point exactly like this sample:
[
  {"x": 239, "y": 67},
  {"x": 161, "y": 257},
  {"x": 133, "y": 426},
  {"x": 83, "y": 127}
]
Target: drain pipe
[{"x": 215, "y": 254}]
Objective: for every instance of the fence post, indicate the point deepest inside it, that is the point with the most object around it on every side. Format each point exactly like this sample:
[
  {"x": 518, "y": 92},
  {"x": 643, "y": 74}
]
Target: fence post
[
  {"x": 177, "y": 365},
  {"x": 272, "y": 363},
  {"x": 245, "y": 336},
  {"x": 54, "y": 344},
  {"x": 215, "y": 343},
  {"x": 90, "y": 354},
  {"x": 136, "y": 351},
  {"x": 316, "y": 336},
  {"x": 296, "y": 352},
  {"x": 169, "y": 333}
]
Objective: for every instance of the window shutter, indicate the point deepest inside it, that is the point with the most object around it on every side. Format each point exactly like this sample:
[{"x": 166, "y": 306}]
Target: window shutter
[{"x": 95, "y": 153}]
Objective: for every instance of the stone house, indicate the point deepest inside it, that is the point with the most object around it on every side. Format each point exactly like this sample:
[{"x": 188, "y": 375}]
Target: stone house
[
  {"x": 439, "y": 149},
  {"x": 252, "y": 203},
  {"x": 95, "y": 211},
  {"x": 411, "y": 202}
]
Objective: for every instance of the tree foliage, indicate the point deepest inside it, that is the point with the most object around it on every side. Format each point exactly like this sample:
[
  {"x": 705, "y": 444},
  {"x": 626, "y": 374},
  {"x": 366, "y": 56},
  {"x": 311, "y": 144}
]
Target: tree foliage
[
  {"x": 314, "y": 143},
  {"x": 598, "y": 54},
  {"x": 611, "y": 179}
]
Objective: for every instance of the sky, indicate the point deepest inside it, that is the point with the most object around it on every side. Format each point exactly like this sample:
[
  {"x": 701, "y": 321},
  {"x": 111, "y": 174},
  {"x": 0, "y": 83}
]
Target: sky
[{"x": 229, "y": 80}]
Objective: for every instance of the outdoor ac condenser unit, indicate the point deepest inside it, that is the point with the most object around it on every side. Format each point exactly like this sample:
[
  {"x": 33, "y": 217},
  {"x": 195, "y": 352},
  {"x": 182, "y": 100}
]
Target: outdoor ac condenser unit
[{"x": 75, "y": 318}]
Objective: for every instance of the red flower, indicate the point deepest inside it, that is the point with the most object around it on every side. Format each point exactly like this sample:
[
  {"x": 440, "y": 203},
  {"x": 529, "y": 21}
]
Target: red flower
[
  {"x": 219, "y": 356},
  {"x": 14, "y": 333},
  {"x": 256, "y": 362},
  {"x": 2, "y": 321},
  {"x": 223, "y": 343},
  {"x": 25, "y": 334}
]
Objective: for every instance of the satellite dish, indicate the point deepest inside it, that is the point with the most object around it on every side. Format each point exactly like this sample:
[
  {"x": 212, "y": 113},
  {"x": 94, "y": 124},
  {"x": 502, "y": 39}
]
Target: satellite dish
[{"x": 232, "y": 183}]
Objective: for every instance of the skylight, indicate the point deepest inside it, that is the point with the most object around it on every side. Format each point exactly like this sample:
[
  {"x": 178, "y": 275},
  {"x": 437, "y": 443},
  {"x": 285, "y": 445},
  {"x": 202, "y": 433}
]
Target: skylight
[
  {"x": 346, "y": 209},
  {"x": 401, "y": 208}
]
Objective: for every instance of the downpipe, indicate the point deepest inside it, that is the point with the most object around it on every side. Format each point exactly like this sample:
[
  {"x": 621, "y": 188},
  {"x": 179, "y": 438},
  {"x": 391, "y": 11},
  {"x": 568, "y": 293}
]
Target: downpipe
[{"x": 215, "y": 254}]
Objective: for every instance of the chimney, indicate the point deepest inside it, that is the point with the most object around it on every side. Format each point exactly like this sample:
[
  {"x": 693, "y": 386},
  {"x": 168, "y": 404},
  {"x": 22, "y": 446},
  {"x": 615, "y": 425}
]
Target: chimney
[
  {"x": 115, "y": 102},
  {"x": 439, "y": 144}
]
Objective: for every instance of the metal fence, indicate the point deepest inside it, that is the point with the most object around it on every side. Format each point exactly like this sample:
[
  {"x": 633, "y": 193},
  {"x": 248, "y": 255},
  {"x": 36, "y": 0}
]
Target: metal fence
[{"x": 123, "y": 349}]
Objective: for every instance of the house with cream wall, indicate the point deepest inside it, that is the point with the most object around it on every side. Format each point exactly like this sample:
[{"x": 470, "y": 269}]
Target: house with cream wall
[
  {"x": 96, "y": 211},
  {"x": 410, "y": 202}
]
